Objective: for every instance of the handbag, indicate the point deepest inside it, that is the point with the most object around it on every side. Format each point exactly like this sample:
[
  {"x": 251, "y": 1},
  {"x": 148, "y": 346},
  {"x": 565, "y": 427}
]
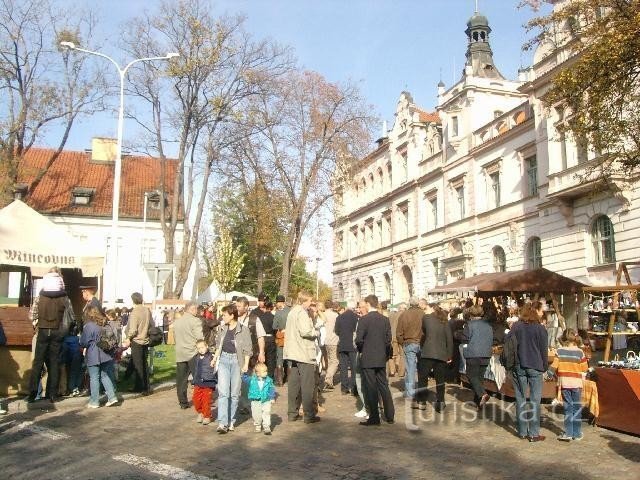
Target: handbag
[
  {"x": 68, "y": 318},
  {"x": 280, "y": 338}
]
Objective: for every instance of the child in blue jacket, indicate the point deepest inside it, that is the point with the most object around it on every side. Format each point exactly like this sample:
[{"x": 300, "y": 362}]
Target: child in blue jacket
[
  {"x": 262, "y": 394},
  {"x": 205, "y": 379}
]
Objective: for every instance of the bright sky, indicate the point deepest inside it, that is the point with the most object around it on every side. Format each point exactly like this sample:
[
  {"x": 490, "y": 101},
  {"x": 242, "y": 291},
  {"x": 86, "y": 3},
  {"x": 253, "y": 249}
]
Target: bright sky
[{"x": 386, "y": 45}]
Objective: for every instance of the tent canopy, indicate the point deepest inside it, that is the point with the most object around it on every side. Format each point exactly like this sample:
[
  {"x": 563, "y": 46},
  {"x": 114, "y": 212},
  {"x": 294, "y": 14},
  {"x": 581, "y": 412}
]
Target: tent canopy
[
  {"x": 213, "y": 294},
  {"x": 538, "y": 280},
  {"x": 30, "y": 239}
]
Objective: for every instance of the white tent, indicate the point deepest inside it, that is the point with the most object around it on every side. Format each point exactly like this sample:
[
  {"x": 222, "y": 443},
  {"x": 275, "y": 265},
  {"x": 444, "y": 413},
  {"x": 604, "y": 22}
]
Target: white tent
[
  {"x": 213, "y": 294},
  {"x": 30, "y": 239}
]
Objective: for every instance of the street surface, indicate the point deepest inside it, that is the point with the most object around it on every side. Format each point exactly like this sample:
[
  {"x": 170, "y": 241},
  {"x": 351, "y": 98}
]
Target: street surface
[{"x": 151, "y": 438}]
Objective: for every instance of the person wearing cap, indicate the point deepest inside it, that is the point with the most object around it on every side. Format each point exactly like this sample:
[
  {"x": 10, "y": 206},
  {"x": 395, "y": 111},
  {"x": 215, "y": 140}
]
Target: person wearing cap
[
  {"x": 409, "y": 335},
  {"x": 137, "y": 334},
  {"x": 279, "y": 325},
  {"x": 187, "y": 330},
  {"x": 262, "y": 297}
]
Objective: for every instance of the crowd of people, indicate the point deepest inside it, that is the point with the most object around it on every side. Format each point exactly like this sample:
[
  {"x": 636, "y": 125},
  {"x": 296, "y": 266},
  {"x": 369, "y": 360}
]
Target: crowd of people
[{"x": 244, "y": 355}]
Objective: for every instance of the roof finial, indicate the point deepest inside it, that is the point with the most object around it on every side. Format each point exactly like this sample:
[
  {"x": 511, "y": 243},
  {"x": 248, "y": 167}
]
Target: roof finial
[{"x": 476, "y": 6}]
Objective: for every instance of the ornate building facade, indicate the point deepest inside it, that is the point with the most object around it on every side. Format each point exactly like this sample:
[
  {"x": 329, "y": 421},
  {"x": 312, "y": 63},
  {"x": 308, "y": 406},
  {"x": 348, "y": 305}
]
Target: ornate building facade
[{"x": 485, "y": 183}]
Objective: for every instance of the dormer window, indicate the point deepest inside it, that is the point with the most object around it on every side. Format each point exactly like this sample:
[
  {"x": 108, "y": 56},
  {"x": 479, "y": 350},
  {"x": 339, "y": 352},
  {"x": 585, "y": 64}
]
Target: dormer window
[
  {"x": 82, "y": 196},
  {"x": 154, "y": 199},
  {"x": 20, "y": 191}
]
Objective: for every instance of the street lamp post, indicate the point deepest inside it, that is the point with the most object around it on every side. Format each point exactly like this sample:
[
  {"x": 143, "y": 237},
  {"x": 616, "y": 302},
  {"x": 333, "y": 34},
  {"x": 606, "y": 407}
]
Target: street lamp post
[
  {"x": 317, "y": 280},
  {"x": 118, "y": 162}
]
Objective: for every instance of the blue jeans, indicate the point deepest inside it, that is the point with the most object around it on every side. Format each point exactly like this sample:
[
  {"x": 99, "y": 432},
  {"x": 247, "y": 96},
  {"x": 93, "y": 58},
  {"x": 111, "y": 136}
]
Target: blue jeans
[
  {"x": 572, "y": 398},
  {"x": 229, "y": 386},
  {"x": 97, "y": 374},
  {"x": 528, "y": 417},
  {"x": 411, "y": 354}
]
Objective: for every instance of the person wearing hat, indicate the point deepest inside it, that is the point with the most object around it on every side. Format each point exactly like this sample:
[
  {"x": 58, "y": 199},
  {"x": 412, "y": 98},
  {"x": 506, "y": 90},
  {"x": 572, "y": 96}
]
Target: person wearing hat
[{"x": 279, "y": 325}]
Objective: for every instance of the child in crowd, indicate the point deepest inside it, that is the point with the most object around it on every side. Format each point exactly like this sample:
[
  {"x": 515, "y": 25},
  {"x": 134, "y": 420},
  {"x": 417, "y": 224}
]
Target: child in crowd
[
  {"x": 570, "y": 366},
  {"x": 262, "y": 394},
  {"x": 71, "y": 354},
  {"x": 204, "y": 382}
]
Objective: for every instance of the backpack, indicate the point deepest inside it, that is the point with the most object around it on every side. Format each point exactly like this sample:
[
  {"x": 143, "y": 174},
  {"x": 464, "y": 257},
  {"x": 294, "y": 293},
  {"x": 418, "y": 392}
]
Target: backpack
[
  {"x": 509, "y": 355},
  {"x": 108, "y": 340},
  {"x": 155, "y": 336}
]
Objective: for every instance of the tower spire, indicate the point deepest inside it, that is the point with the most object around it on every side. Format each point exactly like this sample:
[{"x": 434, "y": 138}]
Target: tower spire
[{"x": 479, "y": 55}]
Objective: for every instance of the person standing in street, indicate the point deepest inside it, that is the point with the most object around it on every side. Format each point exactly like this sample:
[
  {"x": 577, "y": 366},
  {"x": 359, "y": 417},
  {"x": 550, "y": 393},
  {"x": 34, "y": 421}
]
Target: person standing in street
[
  {"x": 373, "y": 340},
  {"x": 533, "y": 362},
  {"x": 478, "y": 336},
  {"x": 100, "y": 364},
  {"x": 409, "y": 336},
  {"x": 331, "y": 343},
  {"x": 47, "y": 314},
  {"x": 138, "y": 339},
  {"x": 300, "y": 354},
  {"x": 187, "y": 330},
  {"x": 395, "y": 365},
  {"x": 345, "y": 328},
  {"x": 437, "y": 351},
  {"x": 279, "y": 325},
  {"x": 233, "y": 351}
]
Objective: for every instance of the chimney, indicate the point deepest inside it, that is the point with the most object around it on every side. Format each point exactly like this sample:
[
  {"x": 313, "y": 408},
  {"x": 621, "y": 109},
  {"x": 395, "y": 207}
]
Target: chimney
[{"x": 103, "y": 150}]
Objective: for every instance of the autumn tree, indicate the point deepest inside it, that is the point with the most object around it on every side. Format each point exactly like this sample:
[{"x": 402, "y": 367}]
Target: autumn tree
[
  {"x": 194, "y": 106},
  {"x": 42, "y": 86},
  {"x": 598, "y": 86},
  {"x": 306, "y": 132},
  {"x": 227, "y": 261}
]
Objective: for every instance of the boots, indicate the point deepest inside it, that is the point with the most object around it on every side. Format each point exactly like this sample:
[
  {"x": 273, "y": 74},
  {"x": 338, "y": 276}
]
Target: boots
[{"x": 278, "y": 376}]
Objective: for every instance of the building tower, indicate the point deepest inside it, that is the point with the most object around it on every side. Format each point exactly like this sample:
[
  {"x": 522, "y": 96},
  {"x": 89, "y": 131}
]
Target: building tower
[{"x": 479, "y": 55}]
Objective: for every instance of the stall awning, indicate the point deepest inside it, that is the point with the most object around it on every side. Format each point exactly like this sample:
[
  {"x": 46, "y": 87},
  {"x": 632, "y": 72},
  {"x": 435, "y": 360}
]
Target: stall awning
[
  {"x": 30, "y": 239},
  {"x": 538, "y": 280}
]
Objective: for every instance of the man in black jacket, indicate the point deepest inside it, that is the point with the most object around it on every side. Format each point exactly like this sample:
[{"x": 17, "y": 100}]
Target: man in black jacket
[
  {"x": 345, "y": 328},
  {"x": 373, "y": 339}
]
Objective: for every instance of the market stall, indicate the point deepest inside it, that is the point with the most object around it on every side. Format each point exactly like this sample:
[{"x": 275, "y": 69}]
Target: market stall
[
  {"x": 30, "y": 244},
  {"x": 614, "y": 312},
  {"x": 536, "y": 283}
]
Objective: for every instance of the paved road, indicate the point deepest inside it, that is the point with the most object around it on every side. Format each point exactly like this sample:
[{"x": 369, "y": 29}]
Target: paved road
[{"x": 151, "y": 438}]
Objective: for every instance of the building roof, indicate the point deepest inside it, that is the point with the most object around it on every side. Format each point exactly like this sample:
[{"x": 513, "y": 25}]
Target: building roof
[
  {"x": 75, "y": 171},
  {"x": 427, "y": 117}
]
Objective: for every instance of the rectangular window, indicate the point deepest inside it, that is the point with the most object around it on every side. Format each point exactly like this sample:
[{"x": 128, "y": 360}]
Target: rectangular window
[
  {"x": 495, "y": 189},
  {"x": 403, "y": 222},
  {"x": 379, "y": 241},
  {"x": 404, "y": 167},
  {"x": 532, "y": 175},
  {"x": 454, "y": 126},
  {"x": 460, "y": 202},
  {"x": 433, "y": 206}
]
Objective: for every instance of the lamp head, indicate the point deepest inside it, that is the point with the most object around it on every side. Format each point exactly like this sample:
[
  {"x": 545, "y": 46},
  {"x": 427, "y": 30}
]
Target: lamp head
[
  {"x": 69, "y": 45},
  {"x": 172, "y": 55}
]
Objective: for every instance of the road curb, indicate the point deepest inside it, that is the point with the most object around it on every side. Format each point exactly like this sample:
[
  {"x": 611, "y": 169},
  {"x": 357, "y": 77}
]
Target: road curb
[{"x": 18, "y": 404}]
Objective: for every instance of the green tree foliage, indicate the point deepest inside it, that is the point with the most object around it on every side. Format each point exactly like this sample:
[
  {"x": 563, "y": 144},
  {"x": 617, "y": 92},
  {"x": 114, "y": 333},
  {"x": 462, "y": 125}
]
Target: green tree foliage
[
  {"x": 598, "y": 86},
  {"x": 227, "y": 261}
]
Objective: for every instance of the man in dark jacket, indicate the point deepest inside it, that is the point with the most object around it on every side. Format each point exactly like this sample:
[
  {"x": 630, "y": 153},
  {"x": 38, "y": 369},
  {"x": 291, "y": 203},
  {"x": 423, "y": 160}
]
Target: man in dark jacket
[
  {"x": 373, "y": 339},
  {"x": 345, "y": 328},
  {"x": 47, "y": 313}
]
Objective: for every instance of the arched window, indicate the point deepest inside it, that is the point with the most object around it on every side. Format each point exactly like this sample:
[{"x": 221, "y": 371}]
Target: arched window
[
  {"x": 340, "y": 292},
  {"x": 534, "y": 253},
  {"x": 604, "y": 247},
  {"x": 357, "y": 290},
  {"x": 387, "y": 286},
  {"x": 372, "y": 286},
  {"x": 371, "y": 183},
  {"x": 380, "y": 180},
  {"x": 499, "y": 260}
]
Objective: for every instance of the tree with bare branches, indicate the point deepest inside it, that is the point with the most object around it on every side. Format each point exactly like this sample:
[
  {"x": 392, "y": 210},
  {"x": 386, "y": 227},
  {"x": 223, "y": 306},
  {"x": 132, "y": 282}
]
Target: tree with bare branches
[
  {"x": 306, "y": 134},
  {"x": 219, "y": 69},
  {"x": 42, "y": 86}
]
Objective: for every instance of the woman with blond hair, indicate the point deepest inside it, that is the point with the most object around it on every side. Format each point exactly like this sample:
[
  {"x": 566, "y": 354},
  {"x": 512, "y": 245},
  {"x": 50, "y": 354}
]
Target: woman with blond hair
[{"x": 100, "y": 364}]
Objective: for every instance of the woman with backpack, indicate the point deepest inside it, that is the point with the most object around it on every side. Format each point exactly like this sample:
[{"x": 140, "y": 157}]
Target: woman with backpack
[{"x": 100, "y": 364}]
